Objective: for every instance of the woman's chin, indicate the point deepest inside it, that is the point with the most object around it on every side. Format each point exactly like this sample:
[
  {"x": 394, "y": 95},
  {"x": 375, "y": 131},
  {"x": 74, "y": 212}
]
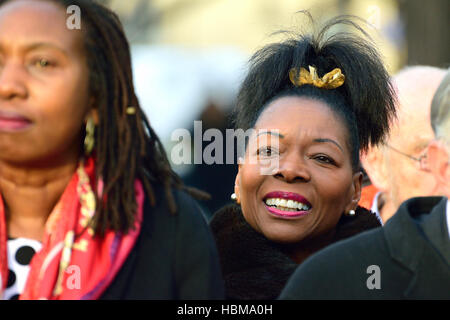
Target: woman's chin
[{"x": 284, "y": 234}]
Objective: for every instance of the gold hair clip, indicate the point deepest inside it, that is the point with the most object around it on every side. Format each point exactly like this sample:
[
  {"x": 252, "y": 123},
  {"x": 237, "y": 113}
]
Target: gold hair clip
[
  {"x": 331, "y": 80},
  {"x": 131, "y": 110}
]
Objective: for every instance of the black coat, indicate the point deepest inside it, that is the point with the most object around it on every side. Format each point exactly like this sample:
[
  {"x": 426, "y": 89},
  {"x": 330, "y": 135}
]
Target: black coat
[
  {"x": 174, "y": 257},
  {"x": 411, "y": 252},
  {"x": 256, "y": 268}
]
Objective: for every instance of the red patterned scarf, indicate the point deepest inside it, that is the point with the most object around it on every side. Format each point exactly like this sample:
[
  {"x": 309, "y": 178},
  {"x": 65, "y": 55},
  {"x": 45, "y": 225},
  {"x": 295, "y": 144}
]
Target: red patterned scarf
[{"x": 73, "y": 264}]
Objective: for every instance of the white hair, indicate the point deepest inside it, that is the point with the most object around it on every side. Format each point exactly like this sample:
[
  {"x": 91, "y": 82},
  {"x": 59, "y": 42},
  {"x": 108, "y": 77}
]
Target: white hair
[{"x": 440, "y": 110}]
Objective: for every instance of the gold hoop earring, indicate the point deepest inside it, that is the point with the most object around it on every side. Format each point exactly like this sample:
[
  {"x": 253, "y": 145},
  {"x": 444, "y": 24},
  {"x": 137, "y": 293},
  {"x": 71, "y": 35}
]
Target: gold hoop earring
[{"x": 89, "y": 139}]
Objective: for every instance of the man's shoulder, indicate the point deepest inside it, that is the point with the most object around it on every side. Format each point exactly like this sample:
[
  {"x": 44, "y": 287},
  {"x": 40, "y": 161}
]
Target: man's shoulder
[
  {"x": 346, "y": 269},
  {"x": 360, "y": 248},
  {"x": 340, "y": 270}
]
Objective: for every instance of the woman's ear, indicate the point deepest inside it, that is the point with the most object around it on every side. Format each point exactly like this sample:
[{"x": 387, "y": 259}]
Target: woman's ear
[
  {"x": 236, "y": 186},
  {"x": 93, "y": 110},
  {"x": 93, "y": 113},
  {"x": 356, "y": 191}
]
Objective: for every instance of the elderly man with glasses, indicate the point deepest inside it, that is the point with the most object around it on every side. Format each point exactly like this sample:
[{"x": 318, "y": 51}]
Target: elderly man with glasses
[
  {"x": 407, "y": 258},
  {"x": 398, "y": 170}
]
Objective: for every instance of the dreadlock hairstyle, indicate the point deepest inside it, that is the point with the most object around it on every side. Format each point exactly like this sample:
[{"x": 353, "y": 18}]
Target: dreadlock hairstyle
[
  {"x": 365, "y": 102},
  {"x": 127, "y": 148}
]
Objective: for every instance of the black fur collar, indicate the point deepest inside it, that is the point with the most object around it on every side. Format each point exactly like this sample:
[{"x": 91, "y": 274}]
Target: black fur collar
[{"x": 256, "y": 268}]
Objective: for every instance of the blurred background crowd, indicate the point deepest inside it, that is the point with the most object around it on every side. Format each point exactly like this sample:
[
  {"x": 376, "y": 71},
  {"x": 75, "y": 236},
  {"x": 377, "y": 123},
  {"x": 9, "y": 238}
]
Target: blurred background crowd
[{"x": 189, "y": 56}]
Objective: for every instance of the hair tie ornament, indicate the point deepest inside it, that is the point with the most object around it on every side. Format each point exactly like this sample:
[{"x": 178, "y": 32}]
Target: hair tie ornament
[
  {"x": 131, "y": 110},
  {"x": 331, "y": 80}
]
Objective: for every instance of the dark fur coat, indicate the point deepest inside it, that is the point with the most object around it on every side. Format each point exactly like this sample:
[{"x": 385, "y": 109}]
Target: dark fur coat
[{"x": 254, "y": 267}]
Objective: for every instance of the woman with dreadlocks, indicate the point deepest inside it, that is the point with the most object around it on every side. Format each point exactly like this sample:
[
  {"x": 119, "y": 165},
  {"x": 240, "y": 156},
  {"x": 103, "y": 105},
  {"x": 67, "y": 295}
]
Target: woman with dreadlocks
[{"x": 84, "y": 182}]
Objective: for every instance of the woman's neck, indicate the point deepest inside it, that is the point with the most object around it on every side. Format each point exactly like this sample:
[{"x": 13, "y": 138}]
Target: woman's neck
[{"x": 30, "y": 194}]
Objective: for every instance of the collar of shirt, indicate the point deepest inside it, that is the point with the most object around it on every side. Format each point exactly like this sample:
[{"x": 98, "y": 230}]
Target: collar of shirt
[
  {"x": 375, "y": 207},
  {"x": 448, "y": 216}
]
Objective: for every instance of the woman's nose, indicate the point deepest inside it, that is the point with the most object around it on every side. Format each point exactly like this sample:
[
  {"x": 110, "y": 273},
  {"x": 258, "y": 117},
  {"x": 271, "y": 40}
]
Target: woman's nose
[
  {"x": 11, "y": 82},
  {"x": 293, "y": 169}
]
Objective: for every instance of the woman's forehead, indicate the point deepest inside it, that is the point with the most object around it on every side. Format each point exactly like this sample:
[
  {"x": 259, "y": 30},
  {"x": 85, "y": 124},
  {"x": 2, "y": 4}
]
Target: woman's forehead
[
  {"x": 300, "y": 116},
  {"x": 26, "y": 22}
]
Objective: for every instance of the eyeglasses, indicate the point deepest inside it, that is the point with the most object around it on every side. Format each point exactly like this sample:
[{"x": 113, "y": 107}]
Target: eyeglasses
[{"x": 422, "y": 160}]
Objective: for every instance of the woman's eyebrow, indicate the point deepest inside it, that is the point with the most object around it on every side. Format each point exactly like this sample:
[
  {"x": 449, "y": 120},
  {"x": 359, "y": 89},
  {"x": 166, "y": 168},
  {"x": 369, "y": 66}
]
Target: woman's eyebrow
[
  {"x": 38, "y": 45},
  {"x": 45, "y": 45},
  {"x": 274, "y": 133},
  {"x": 320, "y": 140}
]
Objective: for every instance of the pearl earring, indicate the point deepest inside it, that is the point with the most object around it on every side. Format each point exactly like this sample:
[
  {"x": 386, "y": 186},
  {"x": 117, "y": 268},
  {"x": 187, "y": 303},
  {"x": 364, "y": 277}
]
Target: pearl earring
[
  {"x": 233, "y": 197},
  {"x": 351, "y": 213}
]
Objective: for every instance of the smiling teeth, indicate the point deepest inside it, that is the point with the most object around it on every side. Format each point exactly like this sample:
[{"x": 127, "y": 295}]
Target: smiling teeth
[{"x": 285, "y": 205}]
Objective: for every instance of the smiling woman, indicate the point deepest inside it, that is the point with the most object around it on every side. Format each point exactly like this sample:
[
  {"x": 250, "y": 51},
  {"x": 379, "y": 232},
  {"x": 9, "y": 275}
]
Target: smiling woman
[
  {"x": 314, "y": 171},
  {"x": 84, "y": 179},
  {"x": 328, "y": 99}
]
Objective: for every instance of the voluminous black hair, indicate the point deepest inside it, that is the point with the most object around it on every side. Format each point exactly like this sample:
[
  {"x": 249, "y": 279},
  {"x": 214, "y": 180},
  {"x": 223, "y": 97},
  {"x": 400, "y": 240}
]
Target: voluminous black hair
[
  {"x": 126, "y": 146},
  {"x": 365, "y": 102}
]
